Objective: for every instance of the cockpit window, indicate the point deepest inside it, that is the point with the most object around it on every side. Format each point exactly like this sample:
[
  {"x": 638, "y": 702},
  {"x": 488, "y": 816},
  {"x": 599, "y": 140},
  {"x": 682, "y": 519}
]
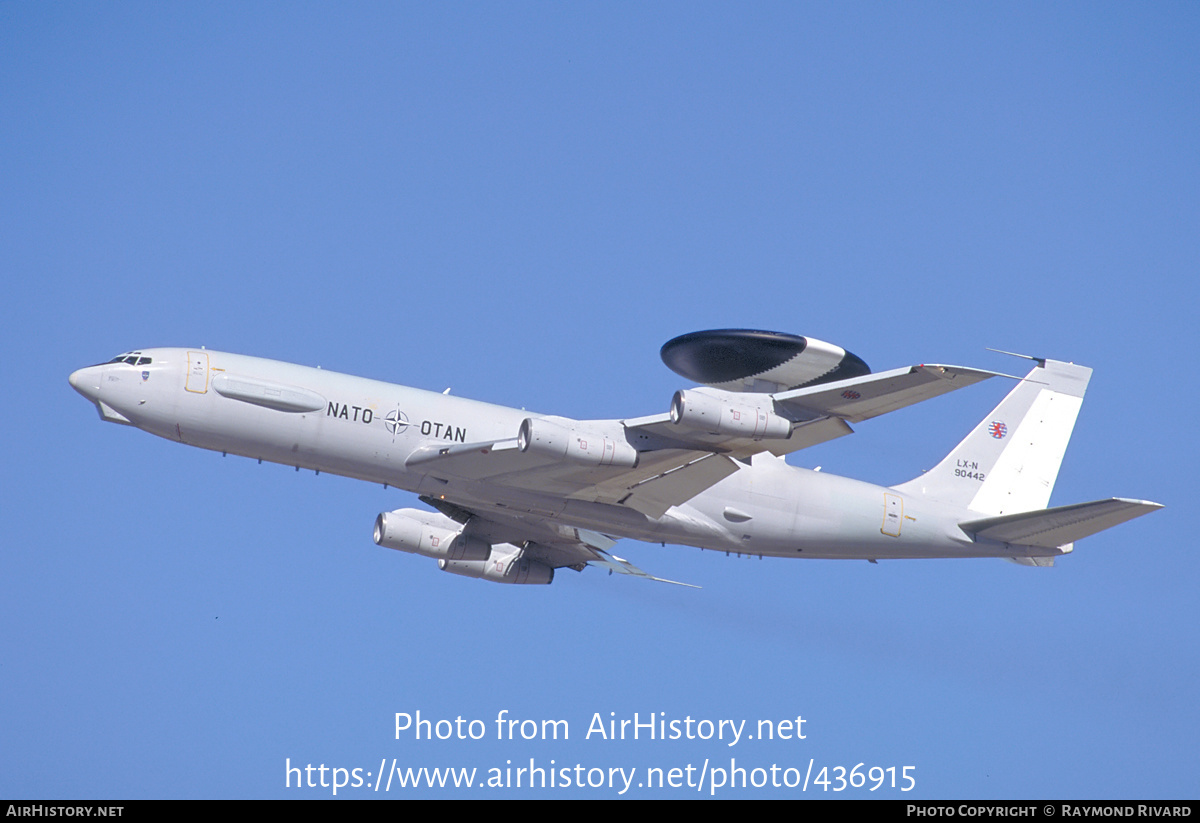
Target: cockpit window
[{"x": 132, "y": 358}]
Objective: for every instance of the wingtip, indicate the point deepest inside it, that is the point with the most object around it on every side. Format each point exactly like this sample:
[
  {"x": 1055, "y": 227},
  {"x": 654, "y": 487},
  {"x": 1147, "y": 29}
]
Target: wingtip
[
  {"x": 676, "y": 582},
  {"x": 1041, "y": 361}
]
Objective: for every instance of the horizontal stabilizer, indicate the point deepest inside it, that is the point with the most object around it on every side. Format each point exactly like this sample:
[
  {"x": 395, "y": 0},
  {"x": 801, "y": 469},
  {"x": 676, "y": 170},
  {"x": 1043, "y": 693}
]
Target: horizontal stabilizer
[{"x": 1050, "y": 528}]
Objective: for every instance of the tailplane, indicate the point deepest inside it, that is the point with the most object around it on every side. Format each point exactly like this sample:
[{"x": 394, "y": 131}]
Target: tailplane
[
  {"x": 1010, "y": 461},
  {"x": 1060, "y": 526}
]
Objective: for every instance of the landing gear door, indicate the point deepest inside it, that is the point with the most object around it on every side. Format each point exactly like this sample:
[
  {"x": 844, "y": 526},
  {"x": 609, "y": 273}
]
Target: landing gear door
[
  {"x": 197, "y": 374},
  {"x": 893, "y": 515}
]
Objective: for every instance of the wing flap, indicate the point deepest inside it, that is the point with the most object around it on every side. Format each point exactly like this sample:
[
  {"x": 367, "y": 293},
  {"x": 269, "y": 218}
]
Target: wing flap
[{"x": 654, "y": 495}]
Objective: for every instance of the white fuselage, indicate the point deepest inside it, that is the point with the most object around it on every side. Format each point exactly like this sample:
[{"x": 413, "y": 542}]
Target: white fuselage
[{"x": 367, "y": 429}]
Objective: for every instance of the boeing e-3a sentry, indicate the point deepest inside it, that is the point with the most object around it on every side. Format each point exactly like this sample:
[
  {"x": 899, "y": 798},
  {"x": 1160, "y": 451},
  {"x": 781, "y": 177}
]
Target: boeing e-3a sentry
[{"x": 516, "y": 495}]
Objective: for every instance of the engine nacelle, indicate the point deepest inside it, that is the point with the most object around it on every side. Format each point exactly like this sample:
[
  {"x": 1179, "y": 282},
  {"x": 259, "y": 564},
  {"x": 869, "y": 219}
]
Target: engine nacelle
[
  {"x": 513, "y": 568},
  {"x": 719, "y": 414},
  {"x": 411, "y": 530},
  {"x": 565, "y": 439}
]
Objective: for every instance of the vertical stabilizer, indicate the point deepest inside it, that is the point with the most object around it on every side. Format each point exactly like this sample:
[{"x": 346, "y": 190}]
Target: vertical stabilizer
[{"x": 1010, "y": 461}]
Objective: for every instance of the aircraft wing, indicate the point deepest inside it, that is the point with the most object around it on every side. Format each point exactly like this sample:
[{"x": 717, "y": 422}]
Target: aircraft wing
[
  {"x": 554, "y": 544},
  {"x": 823, "y": 412},
  {"x": 862, "y": 398},
  {"x": 804, "y": 434},
  {"x": 673, "y": 463},
  {"x": 662, "y": 478}
]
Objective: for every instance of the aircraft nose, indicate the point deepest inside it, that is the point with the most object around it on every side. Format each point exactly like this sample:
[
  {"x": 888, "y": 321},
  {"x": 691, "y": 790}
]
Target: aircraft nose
[{"x": 86, "y": 381}]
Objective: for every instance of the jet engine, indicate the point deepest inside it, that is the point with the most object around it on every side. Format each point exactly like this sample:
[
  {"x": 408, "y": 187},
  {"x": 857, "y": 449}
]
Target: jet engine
[
  {"x": 730, "y": 414},
  {"x": 412, "y": 530},
  {"x": 564, "y": 439},
  {"x": 514, "y": 568}
]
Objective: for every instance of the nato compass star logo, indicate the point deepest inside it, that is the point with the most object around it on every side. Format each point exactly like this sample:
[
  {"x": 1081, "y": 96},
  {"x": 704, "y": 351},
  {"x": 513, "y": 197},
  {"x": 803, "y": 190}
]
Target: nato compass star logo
[
  {"x": 997, "y": 429},
  {"x": 396, "y": 422}
]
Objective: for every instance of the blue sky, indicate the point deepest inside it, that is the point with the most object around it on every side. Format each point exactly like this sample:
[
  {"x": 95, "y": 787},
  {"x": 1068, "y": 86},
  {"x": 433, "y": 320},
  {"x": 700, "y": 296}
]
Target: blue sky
[{"x": 523, "y": 202}]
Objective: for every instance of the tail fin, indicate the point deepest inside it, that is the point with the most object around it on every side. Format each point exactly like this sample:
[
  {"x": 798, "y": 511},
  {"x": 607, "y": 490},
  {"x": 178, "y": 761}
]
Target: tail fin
[{"x": 1010, "y": 461}]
